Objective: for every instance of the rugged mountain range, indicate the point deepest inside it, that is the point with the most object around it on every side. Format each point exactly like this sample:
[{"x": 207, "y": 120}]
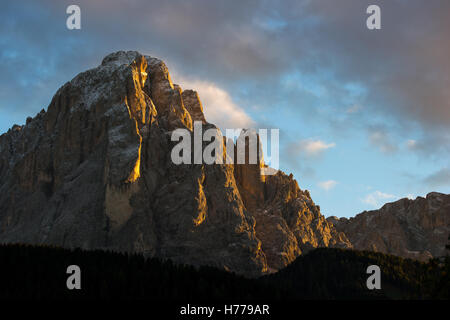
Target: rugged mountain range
[
  {"x": 416, "y": 229},
  {"x": 94, "y": 171}
]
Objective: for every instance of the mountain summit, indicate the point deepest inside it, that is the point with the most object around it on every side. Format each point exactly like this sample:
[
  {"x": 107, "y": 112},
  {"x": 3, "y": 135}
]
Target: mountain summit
[{"x": 94, "y": 171}]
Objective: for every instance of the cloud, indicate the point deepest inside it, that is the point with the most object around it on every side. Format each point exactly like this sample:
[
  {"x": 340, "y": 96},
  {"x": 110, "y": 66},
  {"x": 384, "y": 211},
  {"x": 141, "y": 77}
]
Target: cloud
[
  {"x": 377, "y": 198},
  {"x": 439, "y": 178},
  {"x": 313, "y": 148},
  {"x": 398, "y": 72},
  {"x": 380, "y": 139},
  {"x": 218, "y": 106},
  {"x": 303, "y": 155},
  {"x": 327, "y": 185},
  {"x": 436, "y": 146}
]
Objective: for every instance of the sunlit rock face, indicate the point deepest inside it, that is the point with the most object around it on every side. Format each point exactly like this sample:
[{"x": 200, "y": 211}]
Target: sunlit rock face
[
  {"x": 95, "y": 171},
  {"x": 416, "y": 229}
]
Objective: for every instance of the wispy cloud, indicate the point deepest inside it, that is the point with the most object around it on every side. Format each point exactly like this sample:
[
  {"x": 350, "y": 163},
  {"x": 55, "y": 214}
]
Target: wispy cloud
[
  {"x": 313, "y": 148},
  {"x": 218, "y": 106},
  {"x": 381, "y": 139},
  {"x": 377, "y": 198},
  {"x": 439, "y": 178},
  {"x": 327, "y": 185},
  {"x": 430, "y": 147}
]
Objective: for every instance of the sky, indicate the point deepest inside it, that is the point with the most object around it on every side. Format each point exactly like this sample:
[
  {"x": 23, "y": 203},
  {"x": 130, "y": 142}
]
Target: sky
[{"x": 364, "y": 115}]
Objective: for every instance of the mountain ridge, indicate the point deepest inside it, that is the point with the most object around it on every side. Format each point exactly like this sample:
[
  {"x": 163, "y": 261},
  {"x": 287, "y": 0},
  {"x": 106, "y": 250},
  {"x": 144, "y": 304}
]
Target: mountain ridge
[
  {"x": 94, "y": 171},
  {"x": 408, "y": 228}
]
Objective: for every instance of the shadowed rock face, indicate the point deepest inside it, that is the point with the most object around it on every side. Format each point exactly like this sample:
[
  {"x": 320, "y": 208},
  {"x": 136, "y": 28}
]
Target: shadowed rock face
[
  {"x": 415, "y": 229},
  {"x": 95, "y": 172}
]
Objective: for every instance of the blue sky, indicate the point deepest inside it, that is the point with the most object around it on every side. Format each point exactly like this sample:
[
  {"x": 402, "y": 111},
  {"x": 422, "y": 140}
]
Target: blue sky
[{"x": 364, "y": 116}]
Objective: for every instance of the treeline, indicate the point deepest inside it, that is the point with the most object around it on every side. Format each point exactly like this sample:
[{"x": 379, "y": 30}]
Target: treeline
[
  {"x": 39, "y": 272},
  {"x": 327, "y": 273}
]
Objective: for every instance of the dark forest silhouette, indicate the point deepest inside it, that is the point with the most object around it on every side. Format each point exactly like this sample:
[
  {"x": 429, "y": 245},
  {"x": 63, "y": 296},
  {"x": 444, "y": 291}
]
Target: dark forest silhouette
[{"x": 39, "y": 272}]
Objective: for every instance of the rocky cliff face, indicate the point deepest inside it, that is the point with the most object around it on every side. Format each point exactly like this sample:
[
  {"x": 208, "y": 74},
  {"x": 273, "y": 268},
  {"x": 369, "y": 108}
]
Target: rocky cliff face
[
  {"x": 415, "y": 229},
  {"x": 94, "y": 171}
]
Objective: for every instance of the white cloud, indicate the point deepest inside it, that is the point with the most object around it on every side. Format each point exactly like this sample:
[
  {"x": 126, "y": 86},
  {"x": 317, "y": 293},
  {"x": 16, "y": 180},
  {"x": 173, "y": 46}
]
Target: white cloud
[
  {"x": 327, "y": 185},
  {"x": 377, "y": 198},
  {"x": 218, "y": 106},
  {"x": 314, "y": 147}
]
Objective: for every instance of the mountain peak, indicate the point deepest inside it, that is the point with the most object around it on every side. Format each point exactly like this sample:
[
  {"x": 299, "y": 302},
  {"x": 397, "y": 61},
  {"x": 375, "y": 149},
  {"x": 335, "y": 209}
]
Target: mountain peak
[
  {"x": 95, "y": 172},
  {"x": 120, "y": 57}
]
